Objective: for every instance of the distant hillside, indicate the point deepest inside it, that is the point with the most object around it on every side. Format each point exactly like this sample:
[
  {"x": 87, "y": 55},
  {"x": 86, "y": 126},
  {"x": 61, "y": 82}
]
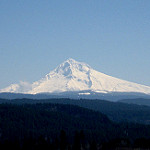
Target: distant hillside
[
  {"x": 118, "y": 112},
  {"x": 87, "y": 94},
  {"x": 138, "y": 101}
]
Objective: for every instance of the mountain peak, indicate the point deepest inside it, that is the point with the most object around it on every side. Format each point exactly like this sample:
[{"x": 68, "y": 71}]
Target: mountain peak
[
  {"x": 71, "y": 66},
  {"x": 74, "y": 63},
  {"x": 72, "y": 75},
  {"x": 70, "y": 60}
]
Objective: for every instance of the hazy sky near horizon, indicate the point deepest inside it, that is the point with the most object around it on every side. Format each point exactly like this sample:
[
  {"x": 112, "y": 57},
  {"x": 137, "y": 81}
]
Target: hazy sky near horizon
[{"x": 112, "y": 36}]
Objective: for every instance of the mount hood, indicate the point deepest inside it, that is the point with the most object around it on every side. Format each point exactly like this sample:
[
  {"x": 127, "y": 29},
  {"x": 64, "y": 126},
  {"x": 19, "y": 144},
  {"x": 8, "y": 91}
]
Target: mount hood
[{"x": 76, "y": 76}]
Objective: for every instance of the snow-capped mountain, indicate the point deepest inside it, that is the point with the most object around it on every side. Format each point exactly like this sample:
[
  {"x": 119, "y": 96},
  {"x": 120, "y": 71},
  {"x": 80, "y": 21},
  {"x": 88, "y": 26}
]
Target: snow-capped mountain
[{"x": 77, "y": 76}]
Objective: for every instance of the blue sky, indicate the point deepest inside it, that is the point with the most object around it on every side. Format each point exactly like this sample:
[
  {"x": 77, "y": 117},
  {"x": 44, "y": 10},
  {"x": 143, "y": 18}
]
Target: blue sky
[{"x": 112, "y": 36}]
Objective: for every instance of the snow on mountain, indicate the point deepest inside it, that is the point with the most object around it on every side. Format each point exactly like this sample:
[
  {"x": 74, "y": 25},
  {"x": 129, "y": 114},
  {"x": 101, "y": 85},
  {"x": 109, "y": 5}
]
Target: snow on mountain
[
  {"x": 77, "y": 76},
  {"x": 22, "y": 87}
]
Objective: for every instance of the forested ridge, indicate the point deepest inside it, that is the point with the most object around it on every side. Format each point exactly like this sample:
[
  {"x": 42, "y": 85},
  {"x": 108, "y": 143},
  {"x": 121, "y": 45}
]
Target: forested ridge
[
  {"x": 59, "y": 126},
  {"x": 115, "y": 111}
]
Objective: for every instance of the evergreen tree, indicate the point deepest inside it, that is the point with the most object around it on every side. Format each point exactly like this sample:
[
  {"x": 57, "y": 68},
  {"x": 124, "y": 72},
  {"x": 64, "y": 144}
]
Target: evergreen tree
[
  {"x": 93, "y": 145},
  {"x": 77, "y": 144},
  {"x": 63, "y": 140},
  {"x": 82, "y": 139}
]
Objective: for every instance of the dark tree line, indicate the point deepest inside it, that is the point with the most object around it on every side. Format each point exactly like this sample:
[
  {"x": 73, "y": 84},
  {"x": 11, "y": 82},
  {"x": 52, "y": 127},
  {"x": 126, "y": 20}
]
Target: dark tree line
[
  {"x": 79, "y": 143},
  {"x": 65, "y": 127}
]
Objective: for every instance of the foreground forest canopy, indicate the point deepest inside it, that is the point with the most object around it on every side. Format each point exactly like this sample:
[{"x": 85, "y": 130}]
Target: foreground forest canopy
[{"x": 59, "y": 126}]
